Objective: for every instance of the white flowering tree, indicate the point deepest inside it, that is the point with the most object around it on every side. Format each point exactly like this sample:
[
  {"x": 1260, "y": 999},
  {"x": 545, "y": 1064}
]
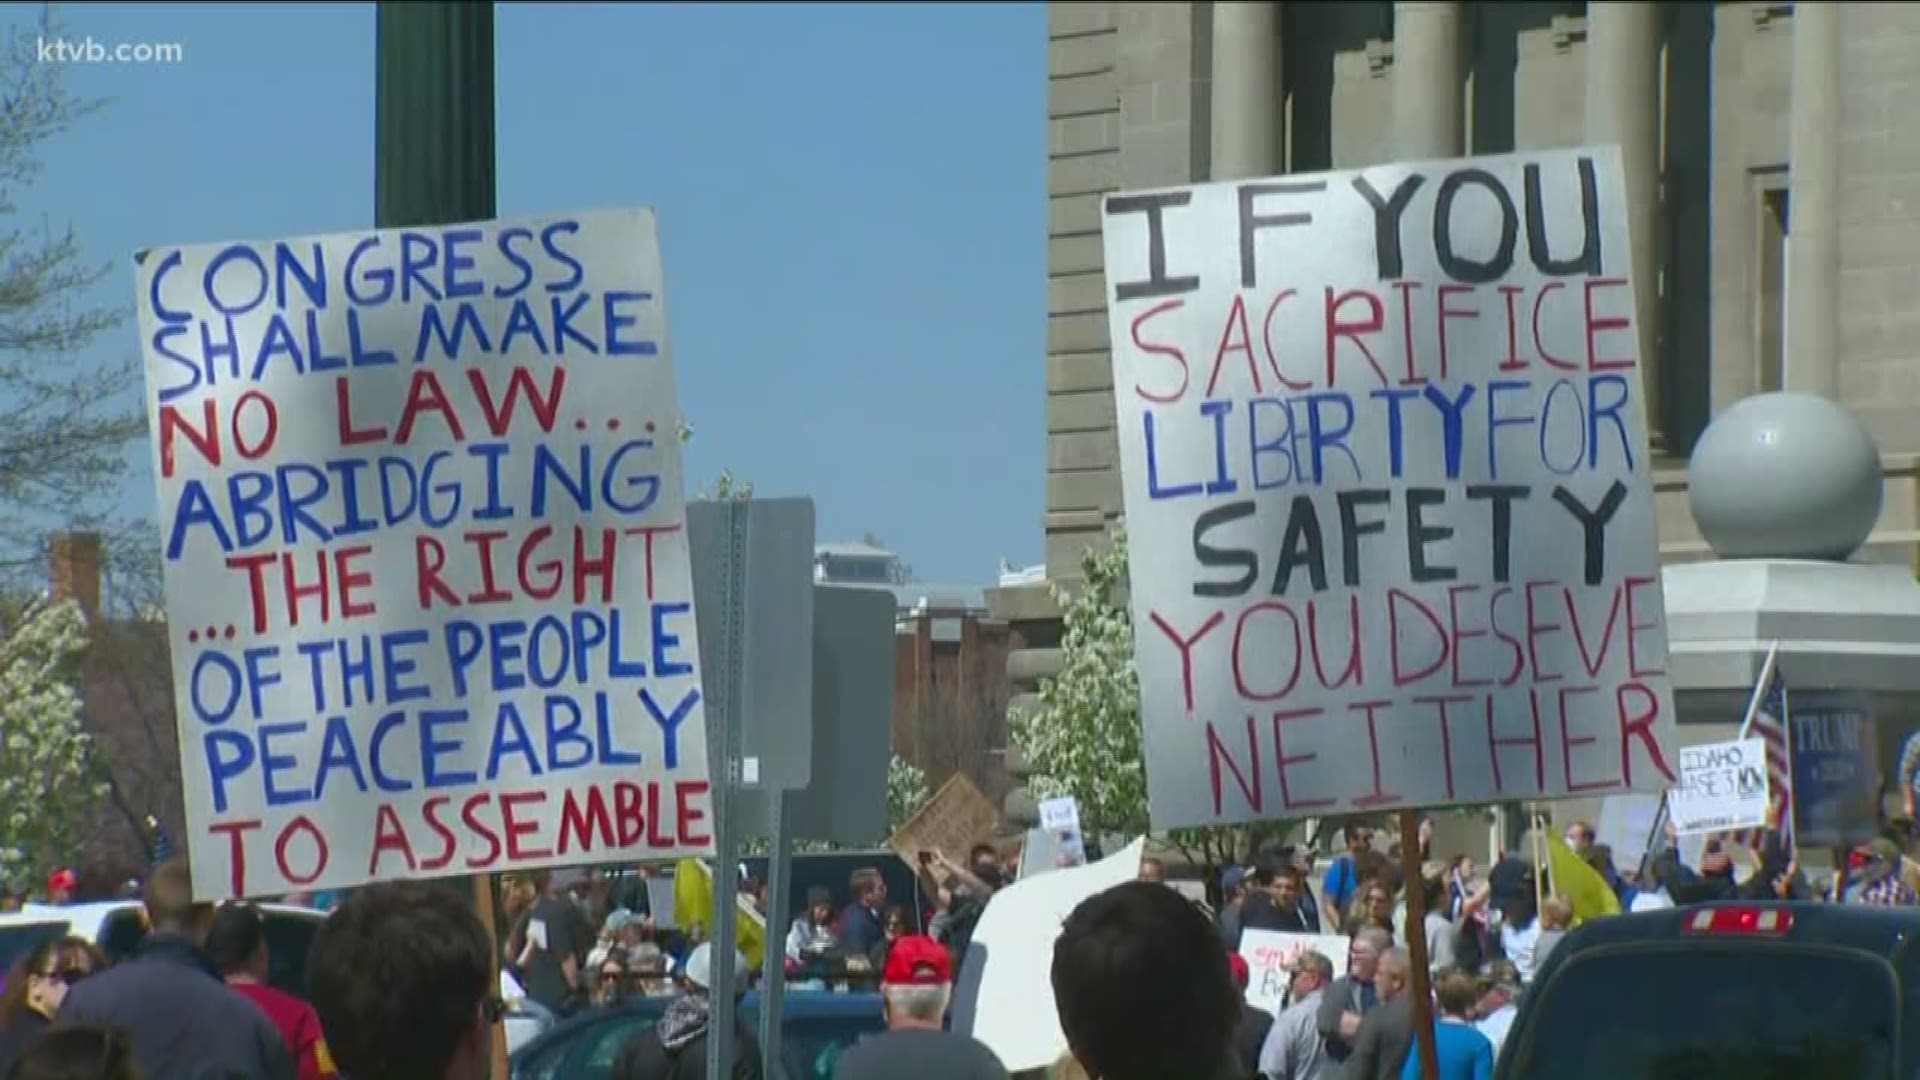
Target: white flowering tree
[
  {"x": 906, "y": 791},
  {"x": 50, "y": 785},
  {"x": 1084, "y": 740}
]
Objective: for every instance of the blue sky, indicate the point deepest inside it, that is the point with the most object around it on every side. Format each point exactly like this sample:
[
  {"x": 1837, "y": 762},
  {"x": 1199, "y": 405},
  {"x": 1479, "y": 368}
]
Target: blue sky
[{"x": 852, "y": 203}]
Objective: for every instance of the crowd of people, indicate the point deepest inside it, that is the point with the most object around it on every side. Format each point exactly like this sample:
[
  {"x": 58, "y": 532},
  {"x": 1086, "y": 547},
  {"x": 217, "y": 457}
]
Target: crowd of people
[{"x": 1147, "y": 983}]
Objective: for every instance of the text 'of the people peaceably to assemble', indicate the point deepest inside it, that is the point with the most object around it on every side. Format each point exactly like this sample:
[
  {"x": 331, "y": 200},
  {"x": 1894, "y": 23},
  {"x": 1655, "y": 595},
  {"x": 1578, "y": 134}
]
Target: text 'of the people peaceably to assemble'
[
  {"x": 1387, "y": 489},
  {"x": 427, "y": 576}
]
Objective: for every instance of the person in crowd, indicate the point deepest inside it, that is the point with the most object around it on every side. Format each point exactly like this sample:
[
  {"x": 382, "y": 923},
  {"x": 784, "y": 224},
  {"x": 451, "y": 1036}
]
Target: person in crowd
[
  {"x": 1437, "y": 928},
  {"x": 36, "y": 986},
  {"x": 61, "y": 885},
  {"x": 647, "y": 967},
  {"x": 402, "y": 979},
  {"x": 1600, "y": 857},
  {"x": 1152, "y": 869},
  {"x": 78, "y": 1052},
  {"x": 1460, "y": 874},
  {"x": 1556, "y": 918},
  {"x": 1464, "y": 1053},
  {"x": 1381, "y": 1044},
  {"x": 1233, "y": 896},
  {"x": 675, "y": 1047},
  {"x": 237, "y": 944},
  {"x": 961, "y": 893},
  {"x": 1499, "y": 1002},
  {"x": 1515, "y": 925},
  {"x": 1142, "y": 989},
  {"x": 1301, "y": 857},
  {"x": 1423, "y": 835},
  {"x": 860, "y": 927},
  {"x": 894, "y": 925},
  {"x": 1352, "y": 996},
  {"x": 1343, "y": 877},
  {"x": 1883, "y": 885},
  {"x": 1579, "y": 837},
  {"x": 1273, "y": 903},
  {"x": 811, "y": 935},
  {"x": 612, "y": 981},
  {"x": 1255, "y": 1022},
  {"x": 621, "y": 930},
  {"x": 553, "y": 951},
  {"x": 916, "y": 988},
  {"x": 181, "y": 1017},
  {"x": 1373, "y": 909},
  {"x": 1294, "y": 1049}
]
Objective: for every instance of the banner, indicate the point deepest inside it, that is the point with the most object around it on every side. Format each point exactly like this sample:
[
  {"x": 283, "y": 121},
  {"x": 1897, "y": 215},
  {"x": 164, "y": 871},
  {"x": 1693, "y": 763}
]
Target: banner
[
  {"x": 1722, "y": 786},
  {"x": 1270, "y": 955},
  {"x": 1387, "y": 491},
  {"x": 1836, "y": 772},
  {"x": 427, "y": 582}
]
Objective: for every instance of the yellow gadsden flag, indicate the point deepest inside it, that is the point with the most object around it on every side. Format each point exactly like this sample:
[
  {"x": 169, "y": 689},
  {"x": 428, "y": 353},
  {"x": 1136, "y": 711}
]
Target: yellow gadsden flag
[
  {"x": 693, "y": 907},
  {"x": 1580, "y": 885}
]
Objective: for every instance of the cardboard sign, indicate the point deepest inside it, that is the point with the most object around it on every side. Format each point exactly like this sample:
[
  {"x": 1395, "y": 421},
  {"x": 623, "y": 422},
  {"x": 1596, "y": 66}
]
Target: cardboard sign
[
  {"x": 1270, "y": 954},
  {"x": 955, "y": 819},
  {"x": 1722, "y": 786},
  {"x": 1387, "y": 490},
  {"x": 428, "y": 592}
]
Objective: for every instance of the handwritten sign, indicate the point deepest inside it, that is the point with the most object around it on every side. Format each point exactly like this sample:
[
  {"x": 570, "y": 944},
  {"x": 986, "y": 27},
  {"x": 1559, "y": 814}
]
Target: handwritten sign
[
  {"x": 427, "y": 584},
  {"x": 1061, "y": 819},
  {"x": 1836, "y": 775},
  {"x": 955, "y": 819},
  {"x": 1270, "y": 955},
  {"x": 1387, "y": 489},
  {"x": 1722, "y": 786}
]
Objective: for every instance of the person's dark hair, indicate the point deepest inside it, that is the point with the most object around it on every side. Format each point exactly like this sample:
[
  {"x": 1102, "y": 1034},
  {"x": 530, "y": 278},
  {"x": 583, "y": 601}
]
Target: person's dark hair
[
  {"x": 77, "y": 1052},
  {"x": 73, "y": 958},
  {"x": 1269, "y": 863},
  {"x": 400, "y": 973},
  {"x": 1143, "y": 989},
  {"x": 818, "y": 896},
  {"x": 238, "y": 932},
  {"x": 168, "y": 896},
  {"x": 983, "y": 851},
  {"x": 1456, "y": 993},
  {"x": 897, "y": 913}
]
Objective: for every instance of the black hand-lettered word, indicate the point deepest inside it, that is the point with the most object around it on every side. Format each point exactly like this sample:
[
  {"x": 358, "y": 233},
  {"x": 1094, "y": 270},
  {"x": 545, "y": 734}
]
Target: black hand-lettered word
[
  {"x": 1365, "y": 512},
  {"x": 1258, "y": 213}
]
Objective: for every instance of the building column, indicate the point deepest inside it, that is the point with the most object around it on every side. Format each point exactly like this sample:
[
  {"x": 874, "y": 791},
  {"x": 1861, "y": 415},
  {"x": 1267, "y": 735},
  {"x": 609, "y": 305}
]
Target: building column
[
  {"x": 1623, "y": 109},
  {"x": 1813, "y": 203},
  {"x": 1247, "y": 90},
  {"x": 1429, "y": 84}
]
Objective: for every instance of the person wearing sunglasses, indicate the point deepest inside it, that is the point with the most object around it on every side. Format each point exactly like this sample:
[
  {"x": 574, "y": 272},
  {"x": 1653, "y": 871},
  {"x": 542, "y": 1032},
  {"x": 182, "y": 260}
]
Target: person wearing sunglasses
[{"x": 36, "y": 987}]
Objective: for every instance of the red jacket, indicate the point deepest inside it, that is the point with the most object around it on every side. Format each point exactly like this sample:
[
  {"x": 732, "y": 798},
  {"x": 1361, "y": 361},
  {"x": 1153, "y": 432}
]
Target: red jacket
[{"x": 298, "y": 1024}]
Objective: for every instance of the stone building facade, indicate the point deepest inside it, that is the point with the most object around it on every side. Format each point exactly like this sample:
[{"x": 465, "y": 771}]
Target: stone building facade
[{"x": 1708, "y": 102}]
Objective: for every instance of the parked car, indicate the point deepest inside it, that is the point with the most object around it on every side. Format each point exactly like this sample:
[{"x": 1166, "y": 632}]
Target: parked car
[{"x": 813, "y": 1024}]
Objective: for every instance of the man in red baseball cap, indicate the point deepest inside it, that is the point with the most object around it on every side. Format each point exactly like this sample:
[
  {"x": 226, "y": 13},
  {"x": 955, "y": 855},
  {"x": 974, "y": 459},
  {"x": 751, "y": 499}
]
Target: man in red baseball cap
[{"x": 916, "y": 987}]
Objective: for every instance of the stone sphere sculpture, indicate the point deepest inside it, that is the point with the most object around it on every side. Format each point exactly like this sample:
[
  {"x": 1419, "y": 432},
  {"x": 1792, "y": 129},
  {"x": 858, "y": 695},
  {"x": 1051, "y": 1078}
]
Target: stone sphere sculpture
[{"x": 1785, "y": 476}]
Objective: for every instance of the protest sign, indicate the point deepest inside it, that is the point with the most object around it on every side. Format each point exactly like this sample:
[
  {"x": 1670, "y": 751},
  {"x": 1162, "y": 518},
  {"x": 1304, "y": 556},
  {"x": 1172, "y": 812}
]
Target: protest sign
[
  {"x": 1836, "y": 774},
  {"x": 1387, "y": 490},
  {"x": 1626, "y": 824},
  {"x": 1722, "y": 786},
  {"x": 427, "y": 583},
  {"x": 955, "y": 819},
  {"x": 1061, "y": 819},
  {"x": 1270, "y": 955}
]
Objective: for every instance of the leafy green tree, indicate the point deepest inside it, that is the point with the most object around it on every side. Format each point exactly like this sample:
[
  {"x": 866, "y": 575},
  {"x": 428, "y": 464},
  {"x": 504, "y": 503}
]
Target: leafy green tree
[{"x": 906, "y": 791}]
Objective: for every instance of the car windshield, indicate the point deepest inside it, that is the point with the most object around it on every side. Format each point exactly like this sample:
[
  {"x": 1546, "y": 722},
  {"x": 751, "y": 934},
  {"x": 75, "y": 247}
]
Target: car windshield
[{"x": 1687, "y": 1013}]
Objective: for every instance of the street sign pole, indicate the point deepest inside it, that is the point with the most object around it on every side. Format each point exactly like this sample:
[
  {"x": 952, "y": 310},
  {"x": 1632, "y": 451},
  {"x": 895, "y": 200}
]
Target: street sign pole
[{"x": 773, "y": 982}]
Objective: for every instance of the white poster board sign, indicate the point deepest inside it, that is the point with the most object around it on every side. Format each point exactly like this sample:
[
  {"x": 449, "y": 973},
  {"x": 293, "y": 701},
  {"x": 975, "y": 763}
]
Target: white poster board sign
[
  {"x": 1004, "y": 994},
  {"x": 1061, "y": 819},
  {"x": 1626, "y": 824},
  {"x": 1722, "y": 786},
  {"x": 1387, "y": 489},
  {"x": 427, "y": 580},
  {"x": 1270, "y": 955}
]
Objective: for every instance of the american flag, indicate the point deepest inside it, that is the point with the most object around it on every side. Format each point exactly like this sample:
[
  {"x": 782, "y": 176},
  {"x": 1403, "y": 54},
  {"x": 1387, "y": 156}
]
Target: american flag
[
  {"x": 1769, "y": 723},
  {"x": 162, "y": 843}
]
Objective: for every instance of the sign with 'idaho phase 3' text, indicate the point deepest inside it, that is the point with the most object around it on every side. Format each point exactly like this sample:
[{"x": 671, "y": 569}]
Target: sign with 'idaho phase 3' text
[
  {"x": 1387, "y": 489},
  {"x": 426, "y": 568}
]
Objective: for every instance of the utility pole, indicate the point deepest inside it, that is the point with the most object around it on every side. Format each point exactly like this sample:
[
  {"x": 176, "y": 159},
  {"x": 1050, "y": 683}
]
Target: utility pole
[{"x": 433, "y": 165}]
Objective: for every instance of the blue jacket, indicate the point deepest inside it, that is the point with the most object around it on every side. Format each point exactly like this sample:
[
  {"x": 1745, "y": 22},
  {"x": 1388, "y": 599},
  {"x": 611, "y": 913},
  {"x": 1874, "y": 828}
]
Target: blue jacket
[{"x": 183, "y": 1021}]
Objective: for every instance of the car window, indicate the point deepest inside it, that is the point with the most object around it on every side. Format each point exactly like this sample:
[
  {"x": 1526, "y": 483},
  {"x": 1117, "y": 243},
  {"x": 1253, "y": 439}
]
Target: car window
[
  {"x": 17, "y": 941},
  {"x": 1707, "y": 1014},
  {"x": 543, "y": 1064},
  {"x": 289, "y": 940}
]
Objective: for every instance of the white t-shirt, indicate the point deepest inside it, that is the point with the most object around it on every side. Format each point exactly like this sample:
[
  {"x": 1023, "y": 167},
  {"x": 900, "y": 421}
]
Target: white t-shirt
[
  {"x": 1496, "y": 1024},
  {"x": 1521, "y": 945}
]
